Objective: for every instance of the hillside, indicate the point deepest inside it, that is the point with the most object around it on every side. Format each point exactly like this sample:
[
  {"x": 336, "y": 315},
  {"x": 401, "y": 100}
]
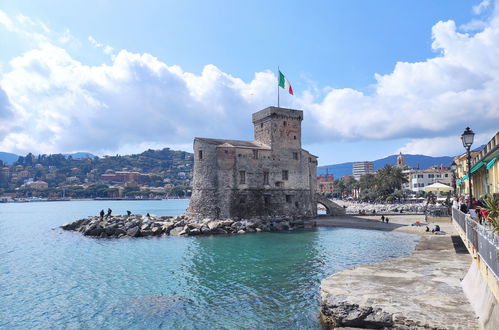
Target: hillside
[
  {"x": 414, "y": 161},
  {"x": 8, "y": 158}
]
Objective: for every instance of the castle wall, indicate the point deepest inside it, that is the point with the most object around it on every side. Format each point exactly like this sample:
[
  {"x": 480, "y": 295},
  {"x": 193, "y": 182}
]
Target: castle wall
[{"x": 236, "y": 181}]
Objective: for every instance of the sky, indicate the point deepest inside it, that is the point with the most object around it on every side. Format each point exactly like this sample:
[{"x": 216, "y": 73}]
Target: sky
[{"x": 373, "y": 77}]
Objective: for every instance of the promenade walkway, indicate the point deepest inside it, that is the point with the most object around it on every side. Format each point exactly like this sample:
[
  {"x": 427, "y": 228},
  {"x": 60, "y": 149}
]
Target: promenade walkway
[{"x": 420, "y": 290}]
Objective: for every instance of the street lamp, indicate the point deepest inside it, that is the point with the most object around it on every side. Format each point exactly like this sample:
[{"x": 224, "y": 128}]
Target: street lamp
[
  {"x": 453, "y": 167},
  {"x": 467, "y": 138}
]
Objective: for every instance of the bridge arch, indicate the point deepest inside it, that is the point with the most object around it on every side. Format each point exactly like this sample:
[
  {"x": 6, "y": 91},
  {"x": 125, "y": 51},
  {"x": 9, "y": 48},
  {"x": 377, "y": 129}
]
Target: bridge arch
[{"x": 331, "y": 207}]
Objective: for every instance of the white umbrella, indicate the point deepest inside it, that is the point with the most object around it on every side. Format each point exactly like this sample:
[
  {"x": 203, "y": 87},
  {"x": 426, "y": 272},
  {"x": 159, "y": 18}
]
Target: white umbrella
[{"x": 437, "y": 187}]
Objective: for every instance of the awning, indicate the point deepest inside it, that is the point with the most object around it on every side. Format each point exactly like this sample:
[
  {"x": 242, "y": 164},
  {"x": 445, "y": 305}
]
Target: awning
[
  {"x": 477, "y": 166},
  {"x": 491, "y": 163},
  {"x": 464, "y": 178}
]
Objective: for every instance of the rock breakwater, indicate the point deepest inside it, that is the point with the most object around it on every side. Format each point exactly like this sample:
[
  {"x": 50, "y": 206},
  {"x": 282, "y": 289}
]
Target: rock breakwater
[{"x": 121, "y": 226}]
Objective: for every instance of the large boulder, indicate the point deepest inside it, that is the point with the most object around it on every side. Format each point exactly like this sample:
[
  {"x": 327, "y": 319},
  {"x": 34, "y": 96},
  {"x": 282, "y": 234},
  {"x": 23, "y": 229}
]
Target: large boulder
[
  {"x": 176, "y": 231},
  {"x": 133, "y": 231}
]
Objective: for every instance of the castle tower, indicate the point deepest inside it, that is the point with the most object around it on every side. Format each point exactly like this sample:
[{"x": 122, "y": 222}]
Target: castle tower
[
  {"x": 400, "y": 160},
  {"x": 278, "y": 128},
  {"x": 270, "y": 176}
]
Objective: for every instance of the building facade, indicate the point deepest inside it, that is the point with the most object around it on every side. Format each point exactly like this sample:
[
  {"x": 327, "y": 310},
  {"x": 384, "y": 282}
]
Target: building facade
[
  {"x": 269, "y": 176},
  {"x": 325, "y": 183},
  {"x": 418, "y": 179},
  {"x": 361, "y": 168},
  {"x": 462, "y": 182},
  {"x": 485, "y": 169}
]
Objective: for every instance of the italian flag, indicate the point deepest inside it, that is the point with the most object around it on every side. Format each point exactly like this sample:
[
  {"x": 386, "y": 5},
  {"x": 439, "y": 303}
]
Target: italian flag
[{"x": 284, "y": 83}]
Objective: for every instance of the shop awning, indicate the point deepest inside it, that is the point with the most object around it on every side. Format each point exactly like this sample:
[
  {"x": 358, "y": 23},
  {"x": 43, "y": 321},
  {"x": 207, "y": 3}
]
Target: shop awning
[
  {"x": 462, "y": 179},
  {"x": 491, "y": 163},
  {"x": 477, "y": 166}
]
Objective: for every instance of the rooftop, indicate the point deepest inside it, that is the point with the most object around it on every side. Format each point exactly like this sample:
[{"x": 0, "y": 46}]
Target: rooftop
[{"x": 234, "y": 143}]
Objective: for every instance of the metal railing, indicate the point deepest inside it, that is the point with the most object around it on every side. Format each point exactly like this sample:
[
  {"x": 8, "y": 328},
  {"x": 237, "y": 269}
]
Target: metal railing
[{"x": 483, "y": 240}]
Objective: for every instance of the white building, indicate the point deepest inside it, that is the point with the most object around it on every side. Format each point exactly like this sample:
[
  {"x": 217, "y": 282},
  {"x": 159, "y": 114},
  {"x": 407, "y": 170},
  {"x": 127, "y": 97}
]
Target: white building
[
  {"x": 418, "y": 179},
  {"x": 361, "y": 168}
]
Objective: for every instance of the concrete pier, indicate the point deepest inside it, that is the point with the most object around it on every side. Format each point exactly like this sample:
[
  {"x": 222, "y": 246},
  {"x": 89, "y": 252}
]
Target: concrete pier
[{"x": 422, "y": 290}]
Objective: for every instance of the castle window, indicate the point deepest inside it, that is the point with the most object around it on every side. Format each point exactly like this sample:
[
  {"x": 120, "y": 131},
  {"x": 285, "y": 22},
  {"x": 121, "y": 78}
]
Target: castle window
[
  {"x": 294, "y": 137},
  {"x": 285, "y": 175},
  {"x": 288, "y": 198},
  {"x": 266, "y": 200},
  {"x": 255, "y": 154},
  {"x": 200, "y": 154},
  {"x": 295, "y": 155},
  {"x": 261, "y": 125},
  {"x": 278, "y": 184},
  {"x": 242, "y": 177},
  {"x": 297, "y": 205},
  {"x": 284, "y": 123},
  {"x": 265, "y": 177}
]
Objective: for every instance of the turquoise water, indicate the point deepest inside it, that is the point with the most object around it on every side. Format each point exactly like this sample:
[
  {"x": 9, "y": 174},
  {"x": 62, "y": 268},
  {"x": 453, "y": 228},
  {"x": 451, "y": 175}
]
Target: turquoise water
[{"x": 50, "y": 278}]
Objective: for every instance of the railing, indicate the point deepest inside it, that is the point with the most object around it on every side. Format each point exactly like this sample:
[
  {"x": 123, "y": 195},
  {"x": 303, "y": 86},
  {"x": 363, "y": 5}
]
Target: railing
[{"x": 482, "y": 239}]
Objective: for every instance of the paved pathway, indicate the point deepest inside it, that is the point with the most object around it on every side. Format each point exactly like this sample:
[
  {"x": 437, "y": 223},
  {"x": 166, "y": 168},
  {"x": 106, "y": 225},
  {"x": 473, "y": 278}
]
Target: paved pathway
[{"x": 420, "y": 290}]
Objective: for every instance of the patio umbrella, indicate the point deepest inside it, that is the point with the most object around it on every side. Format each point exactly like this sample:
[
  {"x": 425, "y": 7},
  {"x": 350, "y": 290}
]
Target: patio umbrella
[{"x": 437, "y": 187}]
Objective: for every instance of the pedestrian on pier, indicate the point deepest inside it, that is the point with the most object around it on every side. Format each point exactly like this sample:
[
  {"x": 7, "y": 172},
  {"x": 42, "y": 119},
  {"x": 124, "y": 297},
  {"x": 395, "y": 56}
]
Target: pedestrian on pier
[
  {"x": 109, "y": 211},
  {"x": 101, "y": 214},
  {"x": 382, "y": 218}
]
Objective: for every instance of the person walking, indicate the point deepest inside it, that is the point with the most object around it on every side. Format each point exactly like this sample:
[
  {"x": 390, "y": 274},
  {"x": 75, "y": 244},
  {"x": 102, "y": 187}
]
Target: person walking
[
  {"x": 101, "y": 214},
  {"x": 109, "y": 211}
]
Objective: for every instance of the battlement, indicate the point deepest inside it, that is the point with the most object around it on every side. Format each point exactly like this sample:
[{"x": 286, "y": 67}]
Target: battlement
[{"x": 275, "y": 112}]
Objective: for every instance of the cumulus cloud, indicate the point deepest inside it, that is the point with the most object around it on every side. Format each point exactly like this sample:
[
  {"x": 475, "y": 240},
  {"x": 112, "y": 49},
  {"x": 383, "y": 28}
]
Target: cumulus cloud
[{"x": 62, "y": 104}]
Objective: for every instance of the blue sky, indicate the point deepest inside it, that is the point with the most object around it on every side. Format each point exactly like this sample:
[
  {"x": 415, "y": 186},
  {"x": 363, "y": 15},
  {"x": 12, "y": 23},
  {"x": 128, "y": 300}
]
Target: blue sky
[{"x": 110, "y": 76}]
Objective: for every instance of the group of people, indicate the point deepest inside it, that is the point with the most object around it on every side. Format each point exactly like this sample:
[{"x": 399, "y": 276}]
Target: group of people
[
  {"x": 384, "y": 219},
  {"x": 434, "y": 230},
  {"x": 109, "y": 212},
  {"x": 462, "y": 204}
]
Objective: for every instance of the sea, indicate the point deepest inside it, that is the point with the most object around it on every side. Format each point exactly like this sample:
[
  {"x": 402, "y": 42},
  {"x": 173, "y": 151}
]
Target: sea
[{"x": 55, "y": 279}]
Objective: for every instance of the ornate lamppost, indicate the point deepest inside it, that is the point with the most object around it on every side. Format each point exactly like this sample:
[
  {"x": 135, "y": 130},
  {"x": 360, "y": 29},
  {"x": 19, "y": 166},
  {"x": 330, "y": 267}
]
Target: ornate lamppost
[
  {"x": 453, "y": 167},
  {"x": 467, "y": 138}
]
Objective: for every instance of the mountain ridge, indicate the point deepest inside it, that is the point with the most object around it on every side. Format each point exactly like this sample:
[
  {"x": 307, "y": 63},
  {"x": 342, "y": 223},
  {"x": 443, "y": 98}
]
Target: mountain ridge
[{"x": 413, "y": 161}]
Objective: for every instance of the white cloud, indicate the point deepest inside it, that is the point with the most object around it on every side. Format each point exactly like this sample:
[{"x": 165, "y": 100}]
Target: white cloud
[
  {"x": 62, "y": 105},
  {"x": 478, "y": 9},
  {"x": 443, "y": 146},
  {"x": 105, "y": 48}
]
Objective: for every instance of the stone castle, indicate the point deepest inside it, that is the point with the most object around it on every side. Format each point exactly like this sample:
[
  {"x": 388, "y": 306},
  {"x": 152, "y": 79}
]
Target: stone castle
[{"x": 270, "y": 176}]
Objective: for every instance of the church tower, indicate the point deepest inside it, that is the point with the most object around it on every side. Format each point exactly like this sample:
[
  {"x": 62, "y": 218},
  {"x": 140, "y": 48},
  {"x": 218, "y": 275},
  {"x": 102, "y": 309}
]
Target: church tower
[{"x": 400, "y": 160}]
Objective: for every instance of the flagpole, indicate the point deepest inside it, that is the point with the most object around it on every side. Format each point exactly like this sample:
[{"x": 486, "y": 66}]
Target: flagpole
[{"x": 278, "y": 77}]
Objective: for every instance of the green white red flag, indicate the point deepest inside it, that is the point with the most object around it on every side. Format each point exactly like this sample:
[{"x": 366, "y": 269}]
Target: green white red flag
[{"x": 284, "y": 83}]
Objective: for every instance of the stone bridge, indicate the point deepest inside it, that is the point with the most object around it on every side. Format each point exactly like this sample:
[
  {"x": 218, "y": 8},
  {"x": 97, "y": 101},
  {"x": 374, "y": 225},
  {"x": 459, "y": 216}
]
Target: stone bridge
[{"x": 331, "y": 207}]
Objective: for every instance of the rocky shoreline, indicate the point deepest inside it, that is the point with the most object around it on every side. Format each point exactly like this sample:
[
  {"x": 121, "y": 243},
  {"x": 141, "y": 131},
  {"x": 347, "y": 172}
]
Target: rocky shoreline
[{"x": 122, "y": 226}]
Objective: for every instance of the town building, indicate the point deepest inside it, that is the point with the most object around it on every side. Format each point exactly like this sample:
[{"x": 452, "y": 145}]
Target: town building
[
  {"x": 485, "y": 169},
  {"x": 462, "y": 182},
  {"x": 269, "y": 176},
  {"x": 325, "y": 183},
  {"x": 37, "y": 185},
  {"x": 418, "y": 179},
  {"x": 362, "y": 168}
]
